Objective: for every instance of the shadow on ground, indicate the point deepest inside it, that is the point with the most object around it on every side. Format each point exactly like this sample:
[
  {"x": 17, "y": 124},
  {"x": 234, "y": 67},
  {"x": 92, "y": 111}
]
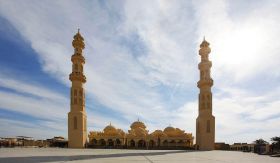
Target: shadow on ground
[{"x": 36, "y": 159}]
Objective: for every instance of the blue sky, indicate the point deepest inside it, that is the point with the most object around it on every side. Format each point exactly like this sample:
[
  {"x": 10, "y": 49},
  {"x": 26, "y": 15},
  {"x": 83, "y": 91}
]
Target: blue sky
[{"x": 141, "y": 62}]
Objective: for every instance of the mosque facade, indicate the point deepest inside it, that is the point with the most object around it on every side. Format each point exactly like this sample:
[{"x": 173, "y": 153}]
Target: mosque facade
[{"x": 138, "y": 136}]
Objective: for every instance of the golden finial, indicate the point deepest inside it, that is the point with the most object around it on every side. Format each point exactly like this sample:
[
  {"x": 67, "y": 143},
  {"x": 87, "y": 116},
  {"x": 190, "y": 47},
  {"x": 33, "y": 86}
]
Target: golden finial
[
  {"x": 78, "y": 42},
  {"x": 204, "y": 43}
]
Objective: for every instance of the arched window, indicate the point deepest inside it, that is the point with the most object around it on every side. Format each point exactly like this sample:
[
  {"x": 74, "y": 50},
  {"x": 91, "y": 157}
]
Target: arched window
[
  {"x": 75, "y": 123},
  {"x": 85, "y": 124},
  {"x": 132, "y": 143},
  {"x": 75, "y": 92},
  {"x": 208, "y": 126},
  {"x": 198, "y": 130},
  {"x": 201, "y": 74}
]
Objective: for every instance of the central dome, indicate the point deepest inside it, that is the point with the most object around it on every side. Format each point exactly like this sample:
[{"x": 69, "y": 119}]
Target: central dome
[{"x": 137, "y": 124}]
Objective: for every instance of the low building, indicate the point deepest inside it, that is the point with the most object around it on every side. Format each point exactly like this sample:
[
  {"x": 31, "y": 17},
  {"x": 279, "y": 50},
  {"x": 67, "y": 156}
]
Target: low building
[
  {"x": 245, "y": 147},
  {"x": 222, "y": 146},
  {"x": 8, "y": 142},
  {"x": 57, "y": 141},
  {"x": 138, "y": 137}
]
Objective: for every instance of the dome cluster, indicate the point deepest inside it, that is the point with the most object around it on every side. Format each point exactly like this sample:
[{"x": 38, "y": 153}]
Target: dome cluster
[{"x": 139, "y": 136}]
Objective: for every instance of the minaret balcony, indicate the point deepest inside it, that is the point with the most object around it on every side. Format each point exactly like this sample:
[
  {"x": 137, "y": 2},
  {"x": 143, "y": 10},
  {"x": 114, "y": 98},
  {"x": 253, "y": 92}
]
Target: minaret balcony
[
  {"x": 77, "y": 76},
  {"x": 77, "y": 57},
  {"x": 205, "y": 82},
  {"x": 204, "y": 65}
]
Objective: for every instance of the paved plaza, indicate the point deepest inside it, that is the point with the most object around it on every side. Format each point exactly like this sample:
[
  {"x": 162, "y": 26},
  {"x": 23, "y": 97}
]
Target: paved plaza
[{"x": 34, "y": 155}]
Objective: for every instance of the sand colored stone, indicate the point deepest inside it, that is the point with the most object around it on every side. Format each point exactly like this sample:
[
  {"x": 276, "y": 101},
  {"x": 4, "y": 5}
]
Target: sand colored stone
[
  {"x": 205, "y": 122},
  {"x": 77, "y": 119}
]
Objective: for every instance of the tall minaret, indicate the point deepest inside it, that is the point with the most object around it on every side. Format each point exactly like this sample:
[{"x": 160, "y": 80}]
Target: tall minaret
[
  {"x": 77, "y": 118},
  {"x": 205, "y": 122}
]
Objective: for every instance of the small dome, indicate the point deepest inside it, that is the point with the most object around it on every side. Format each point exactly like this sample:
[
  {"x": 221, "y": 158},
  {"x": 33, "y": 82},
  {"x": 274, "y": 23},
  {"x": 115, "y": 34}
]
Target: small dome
[
  {"x": 137, "y": 124},
  {"x": 169, "y": 129},
  {"x": 109, "y": 128},
  {"x": 158, "y": 133}
]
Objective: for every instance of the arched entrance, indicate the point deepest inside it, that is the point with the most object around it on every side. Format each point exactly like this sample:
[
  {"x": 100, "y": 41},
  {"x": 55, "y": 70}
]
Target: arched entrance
[
  {"x": 165, "y": 143},
  {"x": 110, "y": 143},
  {"x": 141, "y": 144},
  {"x": 188, "y": 143},
  {"x": 151, "y": 143},
  {"x": 118, "y": 142},
  {"x": 172, "y": 143},
  {"x": 102, "y": 142},
  {"x": 132, "y": 143},
  {"x": 94, "y": 142}
]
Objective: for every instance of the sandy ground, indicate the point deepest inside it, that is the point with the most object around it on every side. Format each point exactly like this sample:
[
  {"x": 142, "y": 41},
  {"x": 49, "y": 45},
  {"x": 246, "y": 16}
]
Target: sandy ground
[{"x": 34, "y": 155}]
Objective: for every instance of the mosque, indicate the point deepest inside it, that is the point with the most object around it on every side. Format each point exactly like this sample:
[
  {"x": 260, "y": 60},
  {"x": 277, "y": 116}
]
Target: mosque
[{"x": 138, "y": 137}]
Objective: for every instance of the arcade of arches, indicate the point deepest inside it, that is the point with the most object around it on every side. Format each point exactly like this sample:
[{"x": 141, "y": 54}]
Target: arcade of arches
[{"x": 139, "y": 137}]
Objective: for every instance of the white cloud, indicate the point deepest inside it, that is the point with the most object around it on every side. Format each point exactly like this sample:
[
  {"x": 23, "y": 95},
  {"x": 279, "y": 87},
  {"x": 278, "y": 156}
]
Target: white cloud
[
  {"x": 243, "y": 116},
  {"x": 29, "y": 88},
  {"x": 242, "y": 47}
]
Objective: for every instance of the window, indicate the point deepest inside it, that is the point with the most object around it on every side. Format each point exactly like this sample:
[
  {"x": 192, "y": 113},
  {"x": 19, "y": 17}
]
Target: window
[
  {"x": 208, "y": 105},
  {"x": 198, "y": 130},
  {"x": 208, "y": 126},
  {"x": 201, "y": 74},
  {"x": 75, "y": 92},
  {"x": 85, "y": 126},
  {"x": 75, "y": 123},
  {"x": 75, "y": 100},
  {"x": 76, "y": 67},
  {"x": 80, "y": 93}
]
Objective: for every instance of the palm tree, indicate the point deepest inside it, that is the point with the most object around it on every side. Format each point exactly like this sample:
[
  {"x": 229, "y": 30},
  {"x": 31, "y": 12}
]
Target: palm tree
[
  {"x": 259, "y": 143},
  {"x": 275, "y": 143}
]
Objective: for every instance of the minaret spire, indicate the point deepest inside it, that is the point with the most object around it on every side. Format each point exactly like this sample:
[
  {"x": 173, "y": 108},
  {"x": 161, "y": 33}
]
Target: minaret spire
[
  {"x": 77, "y": 119},
  {"x": 205, "y": 122}
]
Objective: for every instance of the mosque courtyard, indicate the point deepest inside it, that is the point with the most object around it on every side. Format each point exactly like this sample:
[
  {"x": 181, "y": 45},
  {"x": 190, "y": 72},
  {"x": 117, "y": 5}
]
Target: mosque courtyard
[{"x": 35, "y": 155}]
